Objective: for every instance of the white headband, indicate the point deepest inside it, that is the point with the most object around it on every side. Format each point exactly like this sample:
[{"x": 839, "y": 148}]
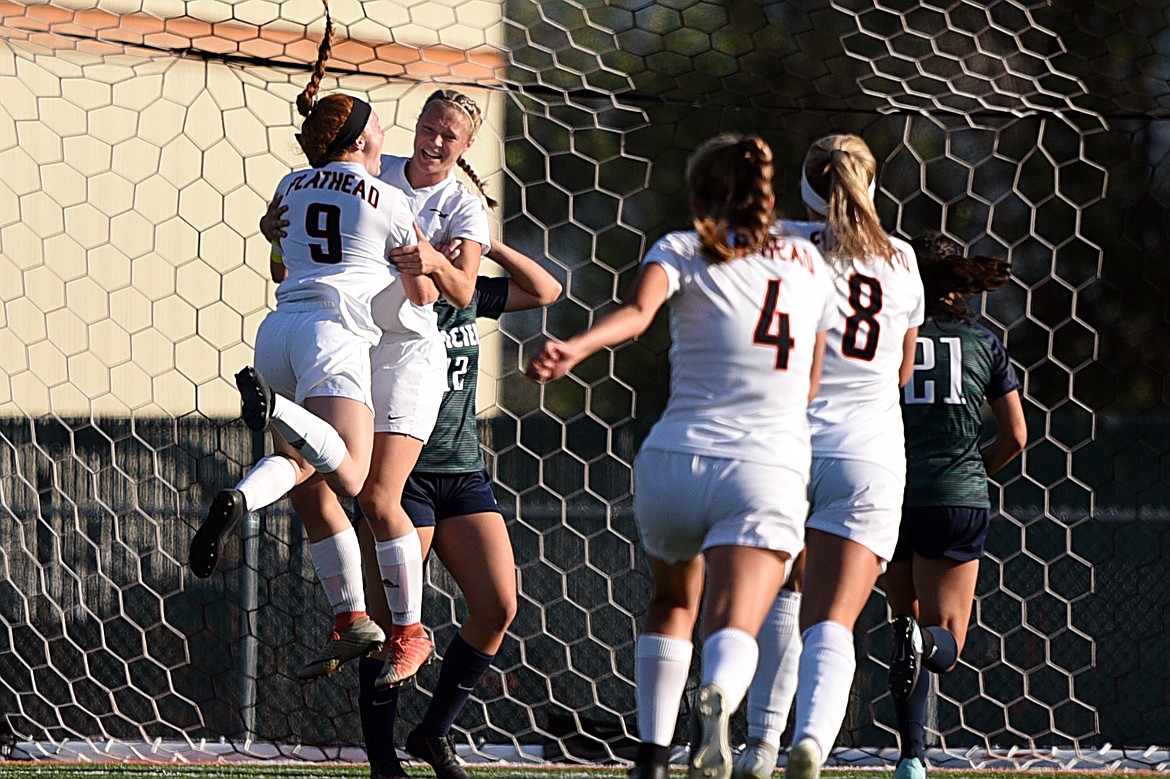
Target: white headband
[{"x": 812, "y": 198}]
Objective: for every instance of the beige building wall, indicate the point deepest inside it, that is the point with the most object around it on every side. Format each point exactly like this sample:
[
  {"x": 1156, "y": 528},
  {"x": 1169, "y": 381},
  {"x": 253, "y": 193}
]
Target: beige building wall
[{"x": 132, "y": 273}]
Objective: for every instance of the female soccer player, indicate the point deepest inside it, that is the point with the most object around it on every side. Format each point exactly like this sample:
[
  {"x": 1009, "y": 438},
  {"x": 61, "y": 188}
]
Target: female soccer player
[
  {"x": 722, "y": 476},
  {"x": 946, "y": 512},
  {"x": 450, "y": 500},
  {"x": 858, "y": 467},
  {"x": 446, "y": 213},
  {"x": 337, "y": 296}
]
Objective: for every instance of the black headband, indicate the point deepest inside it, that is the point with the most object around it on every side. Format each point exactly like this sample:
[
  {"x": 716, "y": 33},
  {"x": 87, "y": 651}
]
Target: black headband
[{"x": 359, "y": 115}]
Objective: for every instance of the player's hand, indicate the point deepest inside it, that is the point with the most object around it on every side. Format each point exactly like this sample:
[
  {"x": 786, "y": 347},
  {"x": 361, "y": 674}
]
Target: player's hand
[
  {"x": 553, "y": 361},
  {"x": 272, "y": 224},
  {"x": 494, "y": 251},
  {"x": 450, "y": 250},
  {"x": 420, "y": 259}
]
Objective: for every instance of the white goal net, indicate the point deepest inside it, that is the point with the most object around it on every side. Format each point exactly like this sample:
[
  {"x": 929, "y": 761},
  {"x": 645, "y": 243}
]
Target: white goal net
[{"x": 139, "y": 142}]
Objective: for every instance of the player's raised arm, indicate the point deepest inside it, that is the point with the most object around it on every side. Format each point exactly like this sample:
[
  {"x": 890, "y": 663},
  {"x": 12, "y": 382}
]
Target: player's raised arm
[{"x": 629, "y": 320}]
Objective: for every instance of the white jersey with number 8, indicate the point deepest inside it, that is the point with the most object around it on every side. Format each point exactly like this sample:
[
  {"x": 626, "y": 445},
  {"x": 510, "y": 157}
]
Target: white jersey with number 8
[{"x": 856, "y": 413}]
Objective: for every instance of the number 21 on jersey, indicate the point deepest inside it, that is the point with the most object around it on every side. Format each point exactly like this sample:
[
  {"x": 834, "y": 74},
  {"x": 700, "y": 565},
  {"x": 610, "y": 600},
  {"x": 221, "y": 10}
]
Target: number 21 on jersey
[{"x": 922, "y": 389}]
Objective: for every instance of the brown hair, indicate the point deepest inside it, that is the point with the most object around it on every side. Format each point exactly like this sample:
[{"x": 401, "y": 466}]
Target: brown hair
[
  {"x": 324, "y": 118},
  {"x": 840, "y": 168},
  {"x": 471, "y": 110},
  {"x": 730, "y": 180},
  {"x": 949, "y": 278}
]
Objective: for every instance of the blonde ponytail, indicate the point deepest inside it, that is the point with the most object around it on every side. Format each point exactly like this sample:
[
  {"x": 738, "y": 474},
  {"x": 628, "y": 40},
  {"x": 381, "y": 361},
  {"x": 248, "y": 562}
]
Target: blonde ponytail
[{"x": 836, "y": 181}]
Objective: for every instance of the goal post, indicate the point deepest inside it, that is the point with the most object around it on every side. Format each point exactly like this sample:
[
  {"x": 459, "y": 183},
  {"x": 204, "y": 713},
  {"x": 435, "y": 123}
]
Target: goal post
[{"x": 139, "y": 143}]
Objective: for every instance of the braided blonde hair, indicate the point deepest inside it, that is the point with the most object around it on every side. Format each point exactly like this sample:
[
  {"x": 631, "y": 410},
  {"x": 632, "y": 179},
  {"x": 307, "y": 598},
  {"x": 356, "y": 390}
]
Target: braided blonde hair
[
  {"x": 471, "y": 110},
  {"x": 730, "y": 179}
]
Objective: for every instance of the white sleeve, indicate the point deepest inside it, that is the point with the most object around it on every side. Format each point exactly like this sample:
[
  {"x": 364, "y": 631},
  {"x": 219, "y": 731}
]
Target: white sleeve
[
  {"x": 401, "y": 218},
  {"x": 665, "y": 253},
  {"x": 470, "y": 222}
]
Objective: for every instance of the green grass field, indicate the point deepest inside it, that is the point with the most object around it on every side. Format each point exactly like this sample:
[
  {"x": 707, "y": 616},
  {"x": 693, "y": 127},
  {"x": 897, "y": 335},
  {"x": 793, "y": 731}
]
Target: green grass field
[{"x": 44, "y": 770}]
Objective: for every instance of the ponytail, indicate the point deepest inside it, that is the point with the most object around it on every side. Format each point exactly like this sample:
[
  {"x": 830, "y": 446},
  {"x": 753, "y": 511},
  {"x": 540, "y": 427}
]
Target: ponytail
[
  {"x": 335, "y": 121},
  {"x": 949, "y": 278},
  {"x": 308, "y": 98},
  {"x": 730, "y": 181},
  {"x": 836, "y": 183}
]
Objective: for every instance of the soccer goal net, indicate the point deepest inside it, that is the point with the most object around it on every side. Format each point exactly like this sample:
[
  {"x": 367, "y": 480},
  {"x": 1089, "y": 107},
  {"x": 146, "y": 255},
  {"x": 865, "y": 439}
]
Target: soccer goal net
[{"x": 140, "y": 141}]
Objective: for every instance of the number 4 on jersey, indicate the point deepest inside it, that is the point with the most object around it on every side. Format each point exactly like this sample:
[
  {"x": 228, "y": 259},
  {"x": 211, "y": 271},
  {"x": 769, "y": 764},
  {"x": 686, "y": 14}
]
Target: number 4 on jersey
[{"x": 772, "y": 329}]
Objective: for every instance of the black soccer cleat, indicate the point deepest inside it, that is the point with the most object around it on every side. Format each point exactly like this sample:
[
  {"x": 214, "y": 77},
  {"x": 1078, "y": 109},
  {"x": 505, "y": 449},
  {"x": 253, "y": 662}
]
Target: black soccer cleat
[
  {"x": 906, "y": 660},
  {"x": 256, "y": 399},
  {"x": 438, "y": 752},
  {"x": 392, "y": 770},
  {"x": 650, "y": 771},
  {"x": 224, "y": 515},
  {"x": 651, "y": 762}
]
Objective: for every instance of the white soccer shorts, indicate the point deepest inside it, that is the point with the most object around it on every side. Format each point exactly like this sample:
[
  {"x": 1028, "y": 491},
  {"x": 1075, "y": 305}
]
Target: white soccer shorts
[
  {"x": 408, "y": 379},
  {"x": 685, "y": 503},
  {"x": 305, "y": 350},
  {"x": 857, "y": 500}
]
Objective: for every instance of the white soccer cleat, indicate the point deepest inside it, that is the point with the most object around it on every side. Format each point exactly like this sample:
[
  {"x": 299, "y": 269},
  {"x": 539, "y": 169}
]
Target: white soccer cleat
[
  {"x": 710, "y": 745},
  {"x": 360, "y": 638},
  {"x": 756, "y": 761},
  {"x": 804, "y": 760}
]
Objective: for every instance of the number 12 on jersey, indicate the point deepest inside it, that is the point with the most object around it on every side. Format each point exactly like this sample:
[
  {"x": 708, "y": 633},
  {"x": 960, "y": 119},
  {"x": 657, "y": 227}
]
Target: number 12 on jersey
[{"x": 772, "y": 329}]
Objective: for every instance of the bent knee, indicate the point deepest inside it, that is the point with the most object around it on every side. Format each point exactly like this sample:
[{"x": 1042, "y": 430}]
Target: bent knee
[
  {"x": 493, "y": 617},
  {"x": 346, "y": 486}
]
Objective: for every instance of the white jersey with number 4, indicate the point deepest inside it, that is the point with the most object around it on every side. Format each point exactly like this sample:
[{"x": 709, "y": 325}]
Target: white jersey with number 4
[
  {"x": 856, "y": 413},
  {"x": 342, "y": 224},
  {"x": 742, "y": 338}
]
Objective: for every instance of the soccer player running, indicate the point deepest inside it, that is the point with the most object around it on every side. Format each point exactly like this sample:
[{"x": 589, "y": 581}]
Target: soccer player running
[
  {"x": 858, "y": 465},
  {"x": 449, "y": 499},
  {"x": 946, "y": 512},
  {"x": 721, "y": 479},
  {"x": 314, "y": 347}
]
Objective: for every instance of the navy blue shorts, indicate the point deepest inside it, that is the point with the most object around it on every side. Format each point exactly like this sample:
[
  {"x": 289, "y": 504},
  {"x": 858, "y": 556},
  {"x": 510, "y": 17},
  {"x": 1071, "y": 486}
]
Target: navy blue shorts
[
  {"x": 954, "y": 532},
  {"x": 430, "y": 498}
]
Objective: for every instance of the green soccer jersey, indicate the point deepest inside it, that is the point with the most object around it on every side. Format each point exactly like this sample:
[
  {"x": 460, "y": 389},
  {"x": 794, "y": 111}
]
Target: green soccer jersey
[
  {"x": 454, "y": 444},
  {"x": 958, "y": 366}
]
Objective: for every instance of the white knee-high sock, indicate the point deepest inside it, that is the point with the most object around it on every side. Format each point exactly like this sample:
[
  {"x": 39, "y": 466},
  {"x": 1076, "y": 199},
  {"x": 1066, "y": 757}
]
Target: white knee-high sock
[
  {"x": 268, "y": 481},
  {"x": 400, "y": 562},
  {"x": 827, "y": 664},
  {"x": 338, "y": 562},
  {"x": 661, "y": 666},
  {"x": 729, "y": 660},
  {"x": 314, "y": 439},
  {"x": 770, "y": 695}
]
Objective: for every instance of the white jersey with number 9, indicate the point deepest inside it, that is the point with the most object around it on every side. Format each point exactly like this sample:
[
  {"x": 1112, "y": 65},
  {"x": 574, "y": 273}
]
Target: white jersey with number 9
[{"x": 342, "y": 224}]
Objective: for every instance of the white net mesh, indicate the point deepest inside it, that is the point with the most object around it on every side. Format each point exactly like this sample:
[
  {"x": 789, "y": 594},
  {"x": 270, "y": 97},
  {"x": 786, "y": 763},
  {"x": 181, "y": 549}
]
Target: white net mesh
[{"x": 140, "y": 141}]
